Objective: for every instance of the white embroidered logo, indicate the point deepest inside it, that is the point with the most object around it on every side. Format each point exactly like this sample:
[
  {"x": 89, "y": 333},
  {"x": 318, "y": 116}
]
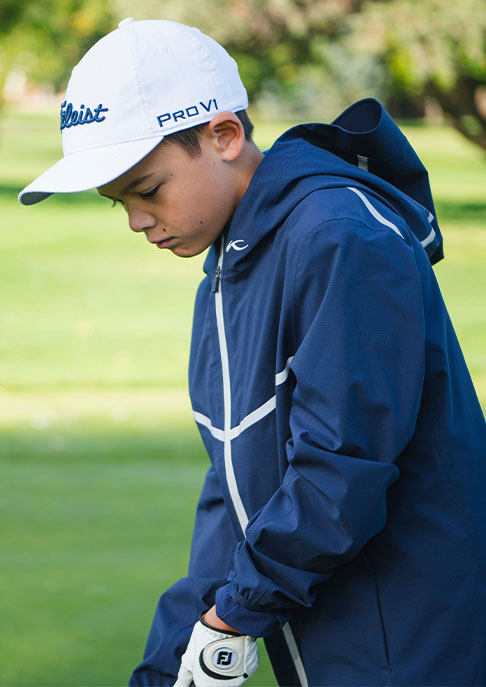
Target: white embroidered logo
[{"x": 234, "y": 244}]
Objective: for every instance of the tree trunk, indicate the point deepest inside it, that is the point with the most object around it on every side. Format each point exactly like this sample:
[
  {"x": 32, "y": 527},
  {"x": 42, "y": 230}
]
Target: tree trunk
[{"x": 461, "y": 108}]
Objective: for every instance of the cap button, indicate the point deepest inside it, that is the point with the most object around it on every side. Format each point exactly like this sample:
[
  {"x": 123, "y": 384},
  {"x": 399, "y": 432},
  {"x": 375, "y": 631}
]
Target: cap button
[{"x": 124, "y": 22}]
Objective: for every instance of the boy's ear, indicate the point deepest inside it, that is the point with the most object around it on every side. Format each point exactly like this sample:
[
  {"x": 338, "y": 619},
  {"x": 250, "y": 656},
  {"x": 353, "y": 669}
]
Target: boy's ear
[{"x": 227, "y": 134}]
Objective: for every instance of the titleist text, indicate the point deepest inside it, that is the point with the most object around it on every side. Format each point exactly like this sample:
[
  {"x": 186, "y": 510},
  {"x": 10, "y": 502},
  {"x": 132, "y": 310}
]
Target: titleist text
[{"x": 70, "y": 117}]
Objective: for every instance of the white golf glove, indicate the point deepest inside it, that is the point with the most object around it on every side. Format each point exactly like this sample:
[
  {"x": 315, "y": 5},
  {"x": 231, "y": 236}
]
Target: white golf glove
[{"x": 215, "y": 658}]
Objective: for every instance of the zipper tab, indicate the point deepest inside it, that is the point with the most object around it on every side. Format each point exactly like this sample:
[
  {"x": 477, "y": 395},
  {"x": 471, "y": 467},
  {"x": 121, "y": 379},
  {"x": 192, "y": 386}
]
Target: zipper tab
[{"x": 216, "y": 278}]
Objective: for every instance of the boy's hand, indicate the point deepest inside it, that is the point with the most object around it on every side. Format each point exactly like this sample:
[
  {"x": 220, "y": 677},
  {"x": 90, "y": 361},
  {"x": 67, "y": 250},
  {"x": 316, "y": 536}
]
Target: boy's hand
[{"x": 215, "y": 658}]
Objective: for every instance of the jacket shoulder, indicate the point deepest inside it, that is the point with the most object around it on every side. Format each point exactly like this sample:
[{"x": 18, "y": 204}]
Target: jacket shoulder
[{"x": 351, "y": 210}]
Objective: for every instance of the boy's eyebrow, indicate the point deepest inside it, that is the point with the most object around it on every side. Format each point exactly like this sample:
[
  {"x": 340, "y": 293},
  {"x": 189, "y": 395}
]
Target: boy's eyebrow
[
  {"x": 135, "y": 182},
  {"x": 131, "y": 185}
]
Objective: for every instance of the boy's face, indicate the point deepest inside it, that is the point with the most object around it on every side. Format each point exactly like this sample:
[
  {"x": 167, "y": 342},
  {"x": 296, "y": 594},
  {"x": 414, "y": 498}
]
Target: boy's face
[{"x": 180, "y": 203}]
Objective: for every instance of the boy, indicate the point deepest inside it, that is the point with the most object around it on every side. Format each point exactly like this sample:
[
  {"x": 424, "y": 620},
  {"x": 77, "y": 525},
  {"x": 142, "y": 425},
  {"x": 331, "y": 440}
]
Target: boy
[{"x": 342, "y": 515}]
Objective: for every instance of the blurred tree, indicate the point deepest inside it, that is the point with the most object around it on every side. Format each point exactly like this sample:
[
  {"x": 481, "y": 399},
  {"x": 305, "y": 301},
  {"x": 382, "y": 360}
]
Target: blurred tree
[
  {"x": 10, "y": 14},
  {"x": 46, "y": 39},
  {"x": 434, "y": 49},
  {"x": 305, "y": 56}
]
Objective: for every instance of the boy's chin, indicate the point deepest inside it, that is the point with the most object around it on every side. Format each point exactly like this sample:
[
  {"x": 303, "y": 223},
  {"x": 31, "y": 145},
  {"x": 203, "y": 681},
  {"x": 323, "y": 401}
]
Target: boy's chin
[{"x": 187, "y": 251}]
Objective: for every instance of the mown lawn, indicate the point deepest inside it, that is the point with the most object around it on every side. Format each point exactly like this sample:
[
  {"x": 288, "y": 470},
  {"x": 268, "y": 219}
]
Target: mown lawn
[{"x": 100, "y": 462}]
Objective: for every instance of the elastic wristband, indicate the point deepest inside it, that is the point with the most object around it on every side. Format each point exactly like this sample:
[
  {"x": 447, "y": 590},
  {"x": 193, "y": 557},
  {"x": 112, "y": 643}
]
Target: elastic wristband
[{"x": 218, "y": 629}]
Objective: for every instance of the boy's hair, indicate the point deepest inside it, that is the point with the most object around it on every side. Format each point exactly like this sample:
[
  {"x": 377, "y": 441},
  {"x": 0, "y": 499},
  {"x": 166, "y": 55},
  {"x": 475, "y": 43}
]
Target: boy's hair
[{"x": 189, "y": 139}]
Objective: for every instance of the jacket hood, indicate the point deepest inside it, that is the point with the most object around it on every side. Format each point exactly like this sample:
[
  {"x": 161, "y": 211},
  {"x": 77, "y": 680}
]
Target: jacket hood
[{"x": 363, "y": 146}]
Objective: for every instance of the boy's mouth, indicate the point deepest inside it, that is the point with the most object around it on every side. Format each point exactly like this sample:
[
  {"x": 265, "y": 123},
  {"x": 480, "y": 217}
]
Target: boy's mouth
[{"x": 163, "y": 243}]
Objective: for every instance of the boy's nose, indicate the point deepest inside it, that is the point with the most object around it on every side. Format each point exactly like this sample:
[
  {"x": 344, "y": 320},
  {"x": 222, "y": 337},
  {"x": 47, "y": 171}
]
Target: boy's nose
[{"x": 139, "y": 220}]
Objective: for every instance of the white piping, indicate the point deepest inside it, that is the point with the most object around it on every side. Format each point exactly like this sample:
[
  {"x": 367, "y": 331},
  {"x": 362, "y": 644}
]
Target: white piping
[
  {"x": 228, "y": 462},
  {"x": 375, "y": 212},
  {"x": 281, "y": 377},
  {"x": 294, "y": 654},
  {"x": 254, "y": 417},
  {"x": 428, "y": 239},
  {"x": 206, "y": 422}
]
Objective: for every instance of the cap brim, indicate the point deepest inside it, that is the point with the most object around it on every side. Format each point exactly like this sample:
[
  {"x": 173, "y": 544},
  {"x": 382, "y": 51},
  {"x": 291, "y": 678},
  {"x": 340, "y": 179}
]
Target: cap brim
[{"x": 87, "y": 169}]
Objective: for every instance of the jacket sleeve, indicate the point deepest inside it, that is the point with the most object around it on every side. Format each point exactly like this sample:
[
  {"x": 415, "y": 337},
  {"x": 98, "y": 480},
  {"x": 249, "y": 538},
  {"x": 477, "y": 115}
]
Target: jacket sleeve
[
  {"x": 358, "y": 372},
  {"x": 181, "y": 605}
]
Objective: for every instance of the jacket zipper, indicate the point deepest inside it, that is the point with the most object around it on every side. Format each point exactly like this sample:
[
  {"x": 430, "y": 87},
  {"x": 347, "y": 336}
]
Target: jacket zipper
[
  {"x": 228, "y": 459},
  {"x": 216, "y": 279}
]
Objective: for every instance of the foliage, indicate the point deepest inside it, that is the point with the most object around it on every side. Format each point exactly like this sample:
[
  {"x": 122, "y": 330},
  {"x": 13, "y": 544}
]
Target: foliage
[
  {"x": 299, "y": 57},
  {"x": 434, "y": 49},
  {"x": 10, "y": 14},
  {"x": 46, "y": 39}
]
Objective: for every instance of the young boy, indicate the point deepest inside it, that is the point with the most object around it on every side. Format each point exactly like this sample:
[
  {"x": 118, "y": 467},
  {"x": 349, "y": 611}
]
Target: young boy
[{"x": 342, "y": 517}]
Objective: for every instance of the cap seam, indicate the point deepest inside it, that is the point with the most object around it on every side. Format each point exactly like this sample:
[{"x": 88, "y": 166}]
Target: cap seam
[
  {"x": 206, "y": 58},
  {"x": 138, "y": 81}
]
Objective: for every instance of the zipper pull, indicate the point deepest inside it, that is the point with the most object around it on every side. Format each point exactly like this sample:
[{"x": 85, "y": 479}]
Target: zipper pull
[{"x": 216, "y": 278}]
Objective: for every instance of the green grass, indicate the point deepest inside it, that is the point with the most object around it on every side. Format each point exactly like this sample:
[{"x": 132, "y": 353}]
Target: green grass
[{"x": 100, "y": 462}]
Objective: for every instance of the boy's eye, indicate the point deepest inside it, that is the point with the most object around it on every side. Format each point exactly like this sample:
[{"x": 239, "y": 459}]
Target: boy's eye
[{"x": 150, "y": 194}]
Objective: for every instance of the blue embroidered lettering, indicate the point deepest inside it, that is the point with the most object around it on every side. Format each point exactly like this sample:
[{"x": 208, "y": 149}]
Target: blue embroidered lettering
[
  {"x": 190, "y": 111},
  {"x": 209, "y": 105},
  {"x": 66, "y": 115},
  {"x": 88, "y": 117},
  {"x": 83, "y": 115},
  {"x": 63, "y": 116},
  {"x": 163, "y": 118},
  {"x": 70, "y": 117},
  {"x": 99, "y": 109}
]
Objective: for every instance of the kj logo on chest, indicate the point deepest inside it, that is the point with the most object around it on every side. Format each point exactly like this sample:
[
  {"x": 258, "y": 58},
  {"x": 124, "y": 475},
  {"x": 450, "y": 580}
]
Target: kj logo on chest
[{"x": 71, "y": 117}]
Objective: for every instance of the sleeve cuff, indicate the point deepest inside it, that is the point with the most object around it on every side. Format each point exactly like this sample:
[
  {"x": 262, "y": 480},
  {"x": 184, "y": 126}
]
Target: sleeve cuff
[
  {"x": 150, "y": 678},
  {"x": 246, "y": 620}
]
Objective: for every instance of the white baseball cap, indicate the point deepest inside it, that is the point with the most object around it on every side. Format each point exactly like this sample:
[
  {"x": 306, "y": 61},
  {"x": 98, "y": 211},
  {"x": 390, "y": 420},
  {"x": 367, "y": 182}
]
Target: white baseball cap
[{"x": 141, "y": 82}]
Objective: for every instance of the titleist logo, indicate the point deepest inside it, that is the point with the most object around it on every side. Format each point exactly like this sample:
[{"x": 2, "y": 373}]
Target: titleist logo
[{"x": 71, "y": 117}]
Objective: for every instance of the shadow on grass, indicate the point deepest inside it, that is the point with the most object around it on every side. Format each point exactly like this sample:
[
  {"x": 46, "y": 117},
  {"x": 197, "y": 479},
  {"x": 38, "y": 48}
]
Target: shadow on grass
[
  {"x": 102, "y": 445},
  {"x": 98, "y": 524}
]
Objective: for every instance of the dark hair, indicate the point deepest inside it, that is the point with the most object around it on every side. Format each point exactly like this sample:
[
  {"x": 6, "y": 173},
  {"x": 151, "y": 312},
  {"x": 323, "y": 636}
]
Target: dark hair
[{"x": 189, "y": 139}]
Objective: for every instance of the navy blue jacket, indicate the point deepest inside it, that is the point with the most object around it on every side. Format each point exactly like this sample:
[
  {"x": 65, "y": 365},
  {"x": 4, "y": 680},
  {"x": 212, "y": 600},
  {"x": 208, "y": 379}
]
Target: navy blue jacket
[{"x": 342, "y": 517}]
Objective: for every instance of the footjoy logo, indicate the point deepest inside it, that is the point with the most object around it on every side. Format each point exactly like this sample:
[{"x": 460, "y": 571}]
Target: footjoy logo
[
  {"x": 187, "y": 112},
  {"x": 236, "y": 245},
  {"x": 224, "y": 658},
  {"x": 71, "y": 117}
]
